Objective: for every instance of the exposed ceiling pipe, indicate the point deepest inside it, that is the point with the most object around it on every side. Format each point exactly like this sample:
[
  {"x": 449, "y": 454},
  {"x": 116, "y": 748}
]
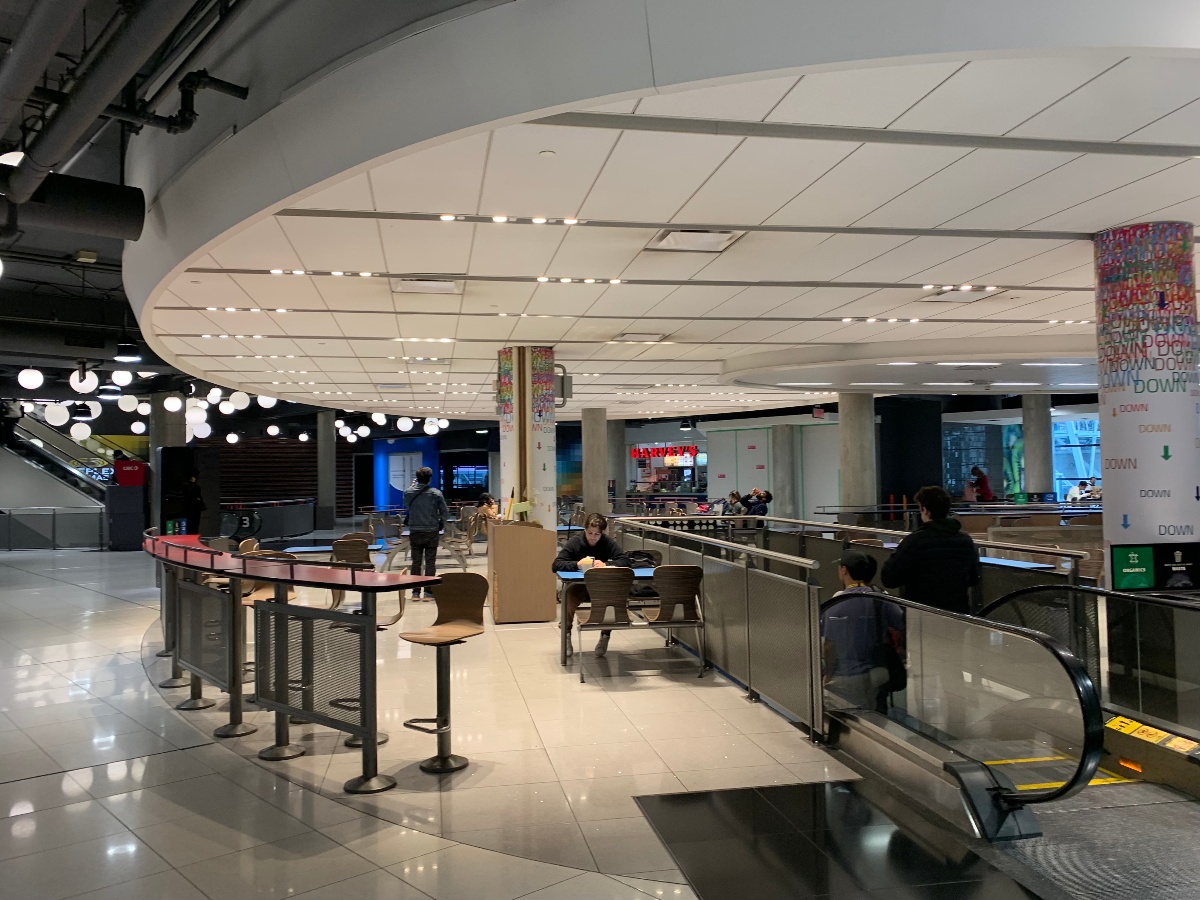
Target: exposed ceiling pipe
[
  {"x": 227, "y": 18},
  {"x": 45, "y": 29},
  {"x": 139, "y": 35}
]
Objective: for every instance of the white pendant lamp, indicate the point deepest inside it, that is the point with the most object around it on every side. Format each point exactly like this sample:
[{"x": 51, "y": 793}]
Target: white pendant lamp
[
  {"x": 57, "y": 415},
  {"x": 122, "y": 378},
  {"x": 239, "y": 399},
  {"x": 404, "y": 423},
  {"x": 143, "y": 408},
  {"x": 363, "y": 430},
  {"x": 138, "y": 427},
  {"x": 81, "y": 431},
  {"x": 195, "y": 416},
  {"x": 273, "y": 430},
  {"x": 127, "y": 403},
  {"x": 379, "y": 418},
  {"x": 232, "y": 437},
  {"x": 202, "y": 430},
  {"x": 226, "y": 407},
  {"x": 30, "y": 379},
  {"x": 267, "y": 402},
  {"x": 172, "y": 404},
  {"x": 443, "y": 423},
  {"x": 83, "y": 383}
]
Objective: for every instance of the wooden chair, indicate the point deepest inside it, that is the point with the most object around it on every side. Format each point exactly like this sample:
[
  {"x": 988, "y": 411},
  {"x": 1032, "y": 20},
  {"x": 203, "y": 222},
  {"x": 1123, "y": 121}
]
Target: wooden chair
[
  {"x": 351, "y": 550},
  {"x": 678, "y": 590},
  {"x": 460, "y": 597},
  {"x": 608, "y": 593},
  {"x": 457, "y": 543}
]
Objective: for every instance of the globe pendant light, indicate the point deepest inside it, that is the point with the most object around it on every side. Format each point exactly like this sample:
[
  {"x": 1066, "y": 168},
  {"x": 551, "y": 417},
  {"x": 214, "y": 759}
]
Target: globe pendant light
[
  {"x": 122, "y": 378},
  {"x": 83, "y": 382},
  {"x": 30, "y": 379}
]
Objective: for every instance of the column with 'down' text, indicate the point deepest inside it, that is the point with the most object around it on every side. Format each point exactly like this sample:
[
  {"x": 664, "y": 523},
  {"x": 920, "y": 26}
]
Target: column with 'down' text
[{"x": 1147, "y": 353}]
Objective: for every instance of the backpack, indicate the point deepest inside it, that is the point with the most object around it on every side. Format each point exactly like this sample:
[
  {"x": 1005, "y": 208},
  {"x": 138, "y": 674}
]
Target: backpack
[
  {"x": 640, "y": 559},
  {"x": 888, "y": 653}
]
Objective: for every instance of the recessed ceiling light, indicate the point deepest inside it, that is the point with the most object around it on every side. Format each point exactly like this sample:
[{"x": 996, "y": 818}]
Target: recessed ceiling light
[
  {"x": 893, "y": 320},
  {"x": 614, "y": 281},
  {"x": 565, "y": 280},
  {"x": 966, "y": 287},
  {"x": 589, "y": 281},
  {"x": 876, "y": 384},
  {"x": 803, "y": 383},
  {"x": 947, "y": 287},
  {"x": 277, "y": 271},
  {"x": 364, "y": 274},
  {"x": 538, "y": 220},
  {"x": 968, "y": 364},
  {"x": 543, "y": 279},
  {"x": 927, "y": 287},
  {"x": 913, "y": 321},
  {"x": 847, "y": 320},
  {"x": 337, "y": 273},
  {"x": 1078, "y": 384},
  {"x": 297, "y": 271},
  {"x": 499, "y": 219},
  {"x": 1015, "y": 383},
  {"x": 1053, "y": 322},
  {"x": 898, "y": 364},
  {"x": 947, "y": 384},
  {"x": 570, "y": 221},
  {"x": 991, "y": 287},
  {"x": 446, "y": 218},
  {"x": 872, "y": 320},
  {"x": 281, "y": 310}
]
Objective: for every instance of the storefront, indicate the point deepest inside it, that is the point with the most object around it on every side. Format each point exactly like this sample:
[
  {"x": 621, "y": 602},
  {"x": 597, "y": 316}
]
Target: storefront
[{"x": 668, "y": 468}]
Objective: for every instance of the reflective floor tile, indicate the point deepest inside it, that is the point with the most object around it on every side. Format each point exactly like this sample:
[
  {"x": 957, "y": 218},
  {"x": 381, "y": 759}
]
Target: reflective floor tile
[
  {"x": 280, "y": 869},
  {"x": 483, "y": 770},
  {"x": 94, "y": 864},
  {"x": 314, "y": 810},
  {"x": 15, "y": 741},
  {"x": 108, "y": 749},
  {"x": 80, "y": 705},
  {"x": 740, "y": 777},
  {"x": 728, "y": 752},
  {"x": 827, "y": 770},
  {"x": 660, "y": 884},
  {"x": 469, "y": 873},
  {"x": 60, "y": 733},
  {"x": 193, "y": 838},
  {"x": 376, "y": 885},
  {"x": 608, "y": 728},
  {"x": 612, "y": 798},
  {"x": 26, "y": 764},
  {"x": 664, "y": 725},
  {"x": 625, "y": 846},
  {"x": 475, "y": 809},
  {"x": 208, "y": 794},
  {"x": 383, "y": 843},
  {"x": 652, "y": 701},
  {"x": 589, "y": 886},
  {"x": 561, "y": 844},
  {"x": 134, "y": 774},
  {"x": 790, "y": 747},
  {"x": 168, "y": 885},
  {"x": 45, "y": 792},
  {"x": 756, "y": 718},
  {"x": 57, "y": 827},
  {"x": 606, "y": 760},
  {"x": 420, "y": 811},
  {"x": 711, "y": 815}
]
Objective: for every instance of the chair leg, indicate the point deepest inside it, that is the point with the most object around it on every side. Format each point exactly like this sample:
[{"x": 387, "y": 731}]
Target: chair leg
[
  {"x": 445, "y": 761},
  {"x": 579, "y": 655},
  {"x": 703, "y": 649}
]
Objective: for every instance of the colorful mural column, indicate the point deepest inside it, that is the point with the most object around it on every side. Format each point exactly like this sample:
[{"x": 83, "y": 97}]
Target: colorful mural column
[
  {"x": 525, "y": 405},
  {"x": 1149, "y": 399}
]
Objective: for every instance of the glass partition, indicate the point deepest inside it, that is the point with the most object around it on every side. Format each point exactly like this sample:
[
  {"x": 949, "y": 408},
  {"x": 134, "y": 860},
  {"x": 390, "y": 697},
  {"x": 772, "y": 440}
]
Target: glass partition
[{"x": 1011, "y": 699}]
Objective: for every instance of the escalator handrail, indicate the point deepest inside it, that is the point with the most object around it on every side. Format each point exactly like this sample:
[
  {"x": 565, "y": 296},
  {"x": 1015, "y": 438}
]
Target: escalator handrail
[
  {"x": 1085, "y": 690},
  {"x": 1156, "y": 599},
  {"x": 64, "y": 471}
]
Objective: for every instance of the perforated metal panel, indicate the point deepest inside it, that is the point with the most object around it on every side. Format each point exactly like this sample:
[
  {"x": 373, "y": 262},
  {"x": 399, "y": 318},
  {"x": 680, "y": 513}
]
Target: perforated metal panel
[
  {"x": 724, "y": 591},
  {"x": 780, "y": 641},
  {"x": 204, "y": 632},
  {"x": 324, "y": 664}
]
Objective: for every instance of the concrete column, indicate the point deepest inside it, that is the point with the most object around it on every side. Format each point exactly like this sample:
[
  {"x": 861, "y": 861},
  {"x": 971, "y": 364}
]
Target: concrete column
[
  {"x": 1038, "y": 438},
  {"x": 528, "y": 441},
  {"x": 595, "y": 459},
  {"x": 618, "y": 456},
  {"x": 167, "y": 429},
  {"x": 325, "y": 514},
  {"x": 856, "y": 449},
  {"x": 1147, "y": 349},
  {"x": 786, "y": 498}
]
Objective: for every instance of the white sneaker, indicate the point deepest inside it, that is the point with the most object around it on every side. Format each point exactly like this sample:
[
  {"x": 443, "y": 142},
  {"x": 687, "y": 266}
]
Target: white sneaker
[{"x": 602, "y": 644}]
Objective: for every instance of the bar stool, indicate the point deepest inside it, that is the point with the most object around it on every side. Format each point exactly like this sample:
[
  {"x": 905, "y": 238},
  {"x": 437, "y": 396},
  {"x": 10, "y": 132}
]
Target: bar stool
[{"x": 459, "y": 597}]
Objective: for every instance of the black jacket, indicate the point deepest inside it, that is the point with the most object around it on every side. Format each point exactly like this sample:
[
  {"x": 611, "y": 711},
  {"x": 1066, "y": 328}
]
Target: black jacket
[
  {"x": 427, "y": 510},
  {"x": 606, "y": 550},
  {"x": 935, "y": 565}
]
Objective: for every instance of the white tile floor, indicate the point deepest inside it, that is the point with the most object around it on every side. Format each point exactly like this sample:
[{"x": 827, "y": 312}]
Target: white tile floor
[{"x": 107, "y": 792}]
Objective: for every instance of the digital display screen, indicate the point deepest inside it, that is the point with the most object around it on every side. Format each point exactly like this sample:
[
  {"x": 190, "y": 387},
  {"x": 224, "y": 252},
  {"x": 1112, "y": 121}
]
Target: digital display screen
[
  {"x": 1156, "y": 567},
  {"x": 469, "y": 477}
]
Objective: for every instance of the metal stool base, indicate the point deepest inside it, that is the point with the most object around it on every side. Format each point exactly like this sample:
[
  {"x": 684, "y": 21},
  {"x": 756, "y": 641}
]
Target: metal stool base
[
  {"x": 441, "y": 765},
  {"x": 195, "y": 703},
  {"x": 232, "y": 730},
  {"x": 175, "y": 682},
  {"x": 164, "y": 653},
  {"x": 281, "y": 752},
  {"x": 374, "y": 785},
  {"x": 355, "y": 740}
]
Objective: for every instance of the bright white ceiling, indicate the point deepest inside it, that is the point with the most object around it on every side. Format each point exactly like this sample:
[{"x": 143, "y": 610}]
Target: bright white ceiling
[{"x": 341, "y": 337}]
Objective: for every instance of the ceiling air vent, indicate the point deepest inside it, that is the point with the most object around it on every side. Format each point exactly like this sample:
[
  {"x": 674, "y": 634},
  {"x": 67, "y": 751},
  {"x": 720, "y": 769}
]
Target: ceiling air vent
[
  {"x": 693, "y": 240},
  {"x": 640, "y": 337},
  {"x": 425, "y": 286},
  {"x": 959, "y": 295}
]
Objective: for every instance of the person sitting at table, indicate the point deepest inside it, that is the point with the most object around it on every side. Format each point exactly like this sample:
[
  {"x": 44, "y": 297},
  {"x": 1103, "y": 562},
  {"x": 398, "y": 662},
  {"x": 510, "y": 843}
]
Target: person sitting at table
[
  {"x": 983, "y": 487},
  {"x": 488, "y": 507},
  {"x": 591, "y": 547},
  {"x": 1077, "y": 493}
]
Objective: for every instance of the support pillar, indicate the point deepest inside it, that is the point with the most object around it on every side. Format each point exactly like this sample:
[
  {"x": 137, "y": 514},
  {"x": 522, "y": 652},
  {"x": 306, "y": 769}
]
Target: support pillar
[
  {"x": 785, "y": 501},
  {"x": 167, "y": 429},
  {"x": 1038, "y": 439},
  {"x": 528, "y": 446},
  {"x": 856, "y": 450},
  {"x": 595, "y": 459},
  {"x": 325, "y": 513},
  {"x": 618, "y": 455},
  {"x": 1147, "y": 350}
]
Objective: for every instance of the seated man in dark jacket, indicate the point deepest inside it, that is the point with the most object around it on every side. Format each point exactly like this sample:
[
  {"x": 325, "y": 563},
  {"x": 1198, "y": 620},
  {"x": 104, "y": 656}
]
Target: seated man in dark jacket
[
  {"x": 593, "y": 548},
  {"x": 938, "y": 563}
]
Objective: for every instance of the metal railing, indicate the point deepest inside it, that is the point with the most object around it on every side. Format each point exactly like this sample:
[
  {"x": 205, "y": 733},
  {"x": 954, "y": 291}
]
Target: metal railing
[{"x": 52, "y": 528}]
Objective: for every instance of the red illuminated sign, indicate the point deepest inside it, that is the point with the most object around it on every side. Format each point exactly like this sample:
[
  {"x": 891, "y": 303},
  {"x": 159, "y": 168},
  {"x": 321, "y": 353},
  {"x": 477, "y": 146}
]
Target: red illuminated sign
[{"x": 657, "y": 452}]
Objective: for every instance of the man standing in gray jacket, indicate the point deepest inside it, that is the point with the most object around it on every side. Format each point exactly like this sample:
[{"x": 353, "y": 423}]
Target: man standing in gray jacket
[{"x": 426, "y": 515}]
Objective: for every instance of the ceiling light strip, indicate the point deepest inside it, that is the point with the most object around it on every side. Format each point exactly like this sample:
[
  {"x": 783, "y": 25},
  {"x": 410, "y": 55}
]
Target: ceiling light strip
[{"x": 857, "y": 134}]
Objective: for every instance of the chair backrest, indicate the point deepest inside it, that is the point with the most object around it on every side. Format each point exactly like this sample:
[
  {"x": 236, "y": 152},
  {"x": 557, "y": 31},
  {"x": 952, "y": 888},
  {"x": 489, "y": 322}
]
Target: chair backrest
[
  {"x": 608, "y": 589},
  {"x": 358, "y": 536},
  {"x": 460, "y": 597},
  {"x": 251, "y": 587},
  {"x": 391, "y": 527},
  {"x": 868, "y": 542},
  {"x": 351, "y": 550},
  {"x": 247, "y": 545},
  {"x": 578, "y": 518},
  {"x": 678, "y": 587}
]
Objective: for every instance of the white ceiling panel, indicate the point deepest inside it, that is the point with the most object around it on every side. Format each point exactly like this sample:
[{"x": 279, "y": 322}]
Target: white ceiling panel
[
  {"x": 332, "y": 355},
  {"x": 424, "y": 303},
  {"x": 817, "y": 301},
  {"x": 629, "y": 299},
  {"x": 1187, "y": 211},
  {"x": 342, "y": 245},
  {"x": 513, "y": 249},
  {"x": 1080, "y": 276},
  {"x": 563, "y": 299},
  {"x": 696, "y": 300},
  {"x": 650, "y": 175},
  {"x": 519, "y": 181},
  {"x": 355, "y": 293},
  {"x": 843, "y": 253},
  {"x": 1135, "y": 200},
  {"x": 370, "y": 325},
  {"x": 1123, "y": 100},
  {"x": 1179, "y": 127},
  {"x": 599, "y": 329},
  {"x": 765, "y": 255},
  {"x": 183, "y": 322},
  {"x": 759, "y": 177},
  {"x": 667, "y": 264},
  {"x": 975, "y": 265},
  {"x": 598, "y": 252},
  {"x": 913, "y": 256},
  {"x": 747, "y": 100},
  {"x": 418, "y": 326},
  {"x": 876, "y": 303},
  {"x": 865, "y": 97},
  {"x": 442, "y": 179},
  {"x": 353, "y": 193},
  {"x": 973, "y": 180},
  {"x": 620, "y": 106},
  {"x": 535, "y": 329},
  {"x": 1045, "y": 265},
  {"x": 422, "y": 247},
  {"x": 312, "y": 324},
  {"x": 863, "y": 182},
  {"x": 1077, "y": 181},
  {"x": 496, "y": 296},
  {"x": 992, "y": 96},
  {"x": 702, "y": 330},
  {"x": 270, "y": 292},
  {"x": 755, "y": 301},
  {"x": 177, "y": 345},
  {"x": 198, "y": 289},
  {"x": 263, "y": 245},
  {"x": 490, "y": 328}
]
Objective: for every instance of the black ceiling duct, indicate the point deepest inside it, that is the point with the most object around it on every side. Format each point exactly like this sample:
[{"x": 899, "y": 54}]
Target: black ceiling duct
[{"x": 66, "y": 203}]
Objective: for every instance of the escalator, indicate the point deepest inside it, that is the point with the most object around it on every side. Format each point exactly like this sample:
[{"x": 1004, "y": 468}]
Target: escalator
[
  {"x": 60, "y": 462},
  {"x": 984, "y": 723}
]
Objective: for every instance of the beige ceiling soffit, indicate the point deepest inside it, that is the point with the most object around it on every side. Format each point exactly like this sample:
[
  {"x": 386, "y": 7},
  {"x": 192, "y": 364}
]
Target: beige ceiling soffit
[
  {"x": 658, "y": 282},
  {"x": 856, "y": 134},
  {"x": 982, "y": 233}
]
